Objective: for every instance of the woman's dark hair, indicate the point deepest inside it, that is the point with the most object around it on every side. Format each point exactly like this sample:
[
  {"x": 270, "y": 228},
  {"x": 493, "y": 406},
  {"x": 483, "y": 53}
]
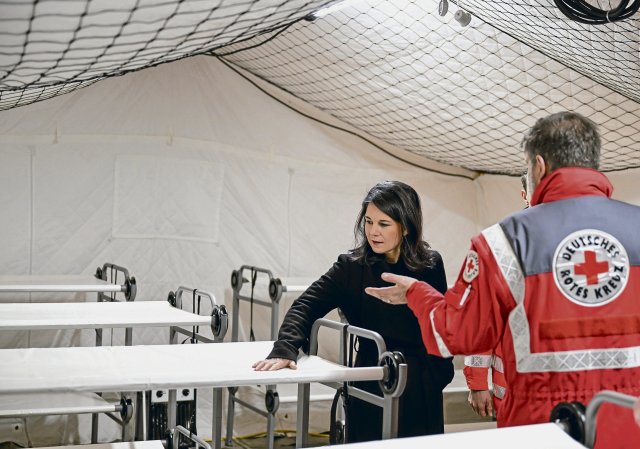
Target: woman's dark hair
[{"x": 400, "y": 202}]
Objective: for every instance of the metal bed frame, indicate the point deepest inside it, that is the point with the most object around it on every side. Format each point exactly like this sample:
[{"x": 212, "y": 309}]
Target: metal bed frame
[
  {"x": 212, "y": 366},
  {"x": 275, "y": 289},
  {"x": 107, "y": 288},
  {"x": 104, "y": 283},
  {"x": 31, "y": 316}
]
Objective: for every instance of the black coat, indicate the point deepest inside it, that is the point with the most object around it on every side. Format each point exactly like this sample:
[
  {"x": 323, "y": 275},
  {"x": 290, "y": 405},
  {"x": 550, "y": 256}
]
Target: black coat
[{"x": 343, "y": 286}]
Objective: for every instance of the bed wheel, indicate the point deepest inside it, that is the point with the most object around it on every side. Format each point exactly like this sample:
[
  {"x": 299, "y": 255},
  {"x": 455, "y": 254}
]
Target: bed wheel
[
  {"x": 127, "y": 410},
  {"x": 172, "y": 298},
  {"x": 236, "y": 280},
  {"x": 391, "y": 362},
  {"x": 219, "y": 322},
  {"x": 271, "y": 401},
  {"x": 131, "y": 289},
  {"x": 570, "y": 416},
  {"x": 275, "y": 289}
]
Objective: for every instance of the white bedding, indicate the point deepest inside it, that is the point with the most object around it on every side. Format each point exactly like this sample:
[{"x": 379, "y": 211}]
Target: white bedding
[
  {"x": 538, "y": 436},
  {"x": 137, "y": 368},
  {"x": 62, "y": 283},
  {"x": 90, "y": 315}
]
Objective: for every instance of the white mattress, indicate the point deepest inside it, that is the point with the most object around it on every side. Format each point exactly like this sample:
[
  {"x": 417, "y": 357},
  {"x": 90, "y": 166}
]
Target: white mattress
[
  {"x": 136, "y": 368},
  {"x": 30, "y": 404},
  {"x": 538, "y": 436},
  {"x": 62, "y": 283},
  {"x": 40, "y": 316}
]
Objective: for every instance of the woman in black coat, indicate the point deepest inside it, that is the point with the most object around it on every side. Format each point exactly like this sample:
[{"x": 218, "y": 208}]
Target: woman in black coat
[{"x": 389, "y": 239}]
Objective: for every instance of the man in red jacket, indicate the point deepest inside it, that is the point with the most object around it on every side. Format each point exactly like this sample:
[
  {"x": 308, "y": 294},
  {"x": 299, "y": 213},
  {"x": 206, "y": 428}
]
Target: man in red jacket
[
  {"x": 476, "y": 367},
  {"x": 556, "y": 285}
]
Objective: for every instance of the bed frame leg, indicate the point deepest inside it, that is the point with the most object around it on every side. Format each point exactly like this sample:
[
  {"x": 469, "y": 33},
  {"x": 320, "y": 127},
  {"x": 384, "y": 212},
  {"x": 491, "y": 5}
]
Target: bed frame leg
[
  {"x": 302, "y": 425},
  {"x": 216, "y": 431}
]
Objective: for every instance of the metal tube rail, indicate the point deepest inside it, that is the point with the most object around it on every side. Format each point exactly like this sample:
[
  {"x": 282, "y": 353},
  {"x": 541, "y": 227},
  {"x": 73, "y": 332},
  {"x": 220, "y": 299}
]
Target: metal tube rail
[
  {"x": 611, "y": 397},
  {"x": 252, "y": 407},
  {"x": 180, "y": 290},
  {"x": 179, "y": 430},
  {"x": 178, "y": 330},
  {"x": 237, "y": 281},
  {"x": 129, "y": 288},
  {"x": 392, "y": 383},
  {"x": 219, "y": 317},
  {"x": 354, "y": 330},
  {"x": 255, "y": 301}
]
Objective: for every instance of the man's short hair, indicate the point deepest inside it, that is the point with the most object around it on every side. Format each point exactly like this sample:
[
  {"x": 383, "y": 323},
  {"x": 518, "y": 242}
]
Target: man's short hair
[{"x": 564, "y": 139}]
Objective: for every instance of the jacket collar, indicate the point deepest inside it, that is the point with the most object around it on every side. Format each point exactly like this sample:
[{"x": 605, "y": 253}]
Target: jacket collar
[{"x": 571, "y": 182}]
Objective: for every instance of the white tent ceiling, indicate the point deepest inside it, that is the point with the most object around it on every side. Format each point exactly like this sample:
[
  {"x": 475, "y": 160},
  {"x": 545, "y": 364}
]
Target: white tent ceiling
[{"x": 393, "y": 70}]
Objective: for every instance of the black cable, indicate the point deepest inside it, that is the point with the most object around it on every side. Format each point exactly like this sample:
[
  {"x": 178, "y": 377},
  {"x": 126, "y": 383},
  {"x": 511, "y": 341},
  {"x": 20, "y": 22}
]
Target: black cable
[
  {"x": 193, "y": 309},
  {"x": 254, "y": 276},
  {"x": 583, "y": 12},
  {"x": 196, "y": 329},
  {"x": 114, "y": 281}
]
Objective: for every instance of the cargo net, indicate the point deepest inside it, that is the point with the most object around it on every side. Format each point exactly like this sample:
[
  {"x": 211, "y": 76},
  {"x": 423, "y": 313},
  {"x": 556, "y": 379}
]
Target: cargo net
[
  {"x": 464, "y": 96},
  {"x": 51, "y": 47},
  {"x": 395, "y": 70}
]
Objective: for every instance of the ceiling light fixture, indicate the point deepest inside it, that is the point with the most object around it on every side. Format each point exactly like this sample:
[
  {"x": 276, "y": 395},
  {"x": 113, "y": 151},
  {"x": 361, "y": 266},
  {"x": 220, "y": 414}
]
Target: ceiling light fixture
[
  {"x": 462, "y": 16},
  {"x": 319, "y": 14},
  {"x": 443, "y": 7}
]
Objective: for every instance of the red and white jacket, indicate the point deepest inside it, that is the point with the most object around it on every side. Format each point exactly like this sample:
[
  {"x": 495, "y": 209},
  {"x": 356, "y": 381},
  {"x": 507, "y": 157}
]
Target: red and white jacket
[
  {"x": 558, "y": 287},
  {"x": 476, "y": 373}
]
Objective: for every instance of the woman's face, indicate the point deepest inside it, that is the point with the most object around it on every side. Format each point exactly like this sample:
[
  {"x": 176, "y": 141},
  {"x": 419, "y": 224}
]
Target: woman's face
[{"x": 384, "y": 234}]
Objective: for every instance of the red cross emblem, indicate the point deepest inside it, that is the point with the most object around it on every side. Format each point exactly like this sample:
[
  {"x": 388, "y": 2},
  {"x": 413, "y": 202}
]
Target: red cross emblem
[
  {"x": 470, "y": 265},
  {"x": 591, "y": 268}
]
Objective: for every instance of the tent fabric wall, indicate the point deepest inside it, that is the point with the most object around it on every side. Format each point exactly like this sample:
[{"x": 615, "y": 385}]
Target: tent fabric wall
[
  {"x": 498, "y": 196},
  {"x": 114, "y": 173},
  {"x": 282, "y": 191}
]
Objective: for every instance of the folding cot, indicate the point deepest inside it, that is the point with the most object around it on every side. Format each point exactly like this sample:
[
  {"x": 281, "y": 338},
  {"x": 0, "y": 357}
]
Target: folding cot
[
  {"x": 141, "y": 368},
  {"x": 254, "y": 278},
  {"x": 105, "y": 283},
  {"x": 101, "y": 315}
]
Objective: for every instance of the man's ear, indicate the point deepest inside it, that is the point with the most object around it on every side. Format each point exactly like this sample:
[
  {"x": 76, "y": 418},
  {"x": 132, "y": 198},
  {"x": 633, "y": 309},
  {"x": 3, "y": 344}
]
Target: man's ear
[{"x": 541, "y": 167}]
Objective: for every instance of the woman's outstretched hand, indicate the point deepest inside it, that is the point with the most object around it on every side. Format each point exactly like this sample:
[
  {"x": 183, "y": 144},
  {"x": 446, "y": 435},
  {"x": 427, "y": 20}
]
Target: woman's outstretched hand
[
  {"x": 274, "y": 365},
  {"x": 396, "y": 294}
]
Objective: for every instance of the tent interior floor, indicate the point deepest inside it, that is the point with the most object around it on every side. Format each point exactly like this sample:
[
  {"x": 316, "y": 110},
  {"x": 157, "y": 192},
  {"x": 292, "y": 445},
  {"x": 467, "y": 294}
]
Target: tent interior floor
[
  {"x": 288, "y": 440},
  {"x": 458, "y": 418},
  {"x": 282, "y": 440},
  {"x": 250, "y": 428}
]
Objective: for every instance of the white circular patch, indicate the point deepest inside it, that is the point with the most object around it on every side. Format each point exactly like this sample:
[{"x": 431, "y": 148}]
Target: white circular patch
[
  {"x": 590, "y": 267},
  {"x": 471, "y": 267}
]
